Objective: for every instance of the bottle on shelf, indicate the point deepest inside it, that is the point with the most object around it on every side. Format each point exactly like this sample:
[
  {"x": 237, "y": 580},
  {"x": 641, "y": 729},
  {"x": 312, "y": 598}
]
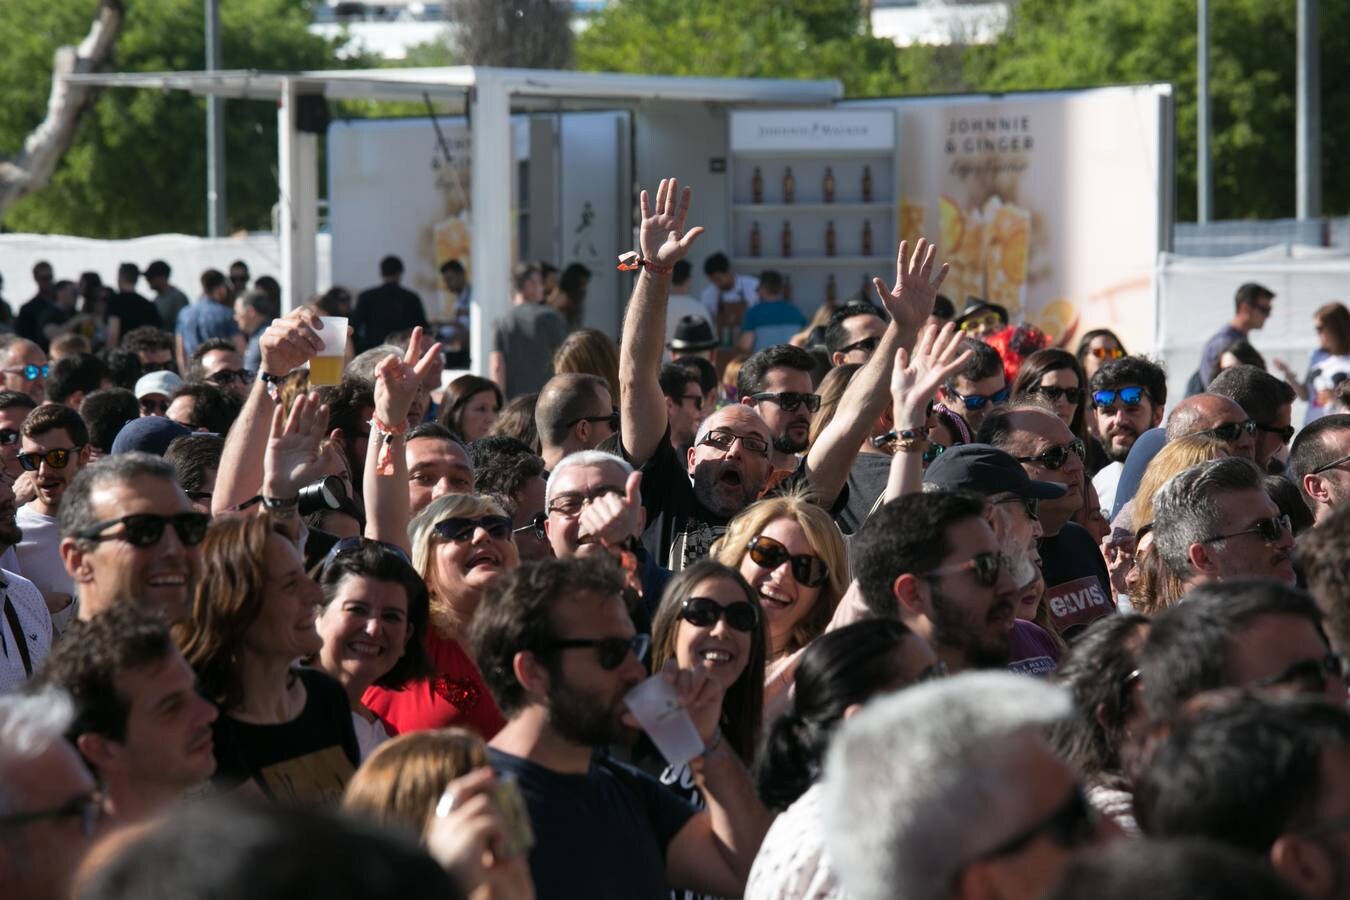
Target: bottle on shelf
[
  {"x": 831, "y": 290},
  {"x": 867, "y": 237},
  {"x": 787, "y": 239},
  {"x": 754, "y": 239},
  {"x": 789, "y": 185},
  {"x": 867, "y": 184},
  {"x": 827, "y": 189},
  {"x": 829, "y": 238},
  {"x": 757, "y": 187}
]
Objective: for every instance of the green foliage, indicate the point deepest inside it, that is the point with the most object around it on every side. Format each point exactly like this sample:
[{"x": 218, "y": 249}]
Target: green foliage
[{"x": 138, "y": 163}]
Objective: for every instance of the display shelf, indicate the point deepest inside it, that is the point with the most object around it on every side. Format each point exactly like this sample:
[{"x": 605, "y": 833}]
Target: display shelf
[{"x": 877, "y": 206}]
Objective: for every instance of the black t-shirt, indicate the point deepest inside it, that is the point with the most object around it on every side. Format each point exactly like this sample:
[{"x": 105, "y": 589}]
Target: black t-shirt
[
  {"x": 599, "y": 835},
  {"x": 866, "y": 482},
  {"x": 1077, "y": 585},
  {"x": 134, "y": 311},
  {"x": 307, "y": 760},
  {"x": 680, "y": 529},
  {"x": 32, "y": 316},
  {"x": 381, "y": 311}
]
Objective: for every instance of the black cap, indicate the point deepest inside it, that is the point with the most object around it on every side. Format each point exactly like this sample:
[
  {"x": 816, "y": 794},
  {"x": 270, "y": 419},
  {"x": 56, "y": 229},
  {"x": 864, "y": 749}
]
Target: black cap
[
  {"x": 987, "y": 470},
  {"x": 978, "y": 305},
  {"x": 692, "y": 334}
]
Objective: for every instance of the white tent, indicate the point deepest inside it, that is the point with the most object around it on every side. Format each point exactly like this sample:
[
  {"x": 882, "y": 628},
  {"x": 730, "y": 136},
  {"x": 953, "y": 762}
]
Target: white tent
[{"x": 488, "y": 97}]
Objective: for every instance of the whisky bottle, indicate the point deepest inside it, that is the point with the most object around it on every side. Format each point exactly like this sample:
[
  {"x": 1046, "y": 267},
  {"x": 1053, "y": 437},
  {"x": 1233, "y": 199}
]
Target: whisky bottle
[
  {"x": 787, "y": 239},
  {"x": 754, "y": 239},
  {"x": 789, "y": 185},
  {"x": 827, "y": 189},
  {"x": 867, "y": 237},
  {"x": 757, "y": 187},
  {"x": 829, "y": 238},
  {"x": 831, "y": 291},
  {"x": 867, "y": 184}
]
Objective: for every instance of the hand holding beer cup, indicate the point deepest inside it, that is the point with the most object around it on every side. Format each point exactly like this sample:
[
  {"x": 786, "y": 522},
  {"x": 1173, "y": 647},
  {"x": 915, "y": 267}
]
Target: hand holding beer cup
[{"x": 292, "y": 340}]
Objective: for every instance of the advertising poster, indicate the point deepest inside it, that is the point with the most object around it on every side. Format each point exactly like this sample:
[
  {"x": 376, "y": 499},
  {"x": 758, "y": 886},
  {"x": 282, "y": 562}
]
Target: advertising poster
[{"x": 1051, "y": 205}]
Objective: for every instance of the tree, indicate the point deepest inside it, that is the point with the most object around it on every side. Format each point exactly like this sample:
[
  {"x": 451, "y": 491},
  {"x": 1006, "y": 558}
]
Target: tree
[
  {"x": 523, "y": 34},
  {"x": 137, "y": 164}
]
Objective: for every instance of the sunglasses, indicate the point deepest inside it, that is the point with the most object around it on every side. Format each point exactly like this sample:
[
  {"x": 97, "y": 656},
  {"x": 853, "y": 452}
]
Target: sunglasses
[
  {"x": 57, "y": 459},
  {"x": 1107, "y": 352},
  {"x": 349, "y": 545},
  {"x": 1056, "y": 457},
  {"x": 145, "y": 529},
  {"x": 1270, "y": 530},
  {"x": 697, "y": 400},
  {"x": 225, "y": 376},
  {"x": 1053, "y": 394},
  {"x": 1130, "y": 396},
  {"x": 722, "y": 440},
  {"x": 1334, "y": 464},
  {"x": 612, "y": 419},
  {"x": 984, "y": 566},
  {"x": 30, "y": 372},
  {"x": 1229, "y": 432},
  {"x": 89, "y": 809},
  {"x": 1309, "y": 676},
  {"x": 1030, "y": 504},
  {"x": 461, "y": 530},
  {"x": 571, "y": 503},
  {"x": 8, "y": 436},
  {"x": 790, "y": 400},
  {"x": 810, "y": 571},
  {"x": 1071, "y": 825},
  {"x": 978, "y": 401},
  {"x": 867, "y": 345},
  {"x": 613, "y": 651},
  {"x": 988, "y": 320},
  {"x": 704, "y": 612},
  {"x": 1286, "y": 433},
  {"x": 154, "y": 407},
  {"x": 535, "y": 527}
]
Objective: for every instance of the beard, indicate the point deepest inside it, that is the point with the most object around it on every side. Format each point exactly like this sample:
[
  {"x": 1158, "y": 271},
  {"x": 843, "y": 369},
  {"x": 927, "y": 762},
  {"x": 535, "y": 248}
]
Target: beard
[
  {"x": 581, "y": 719},
  {"x": 718, "y": 497},
  {"x": 952, "y": 628},
  {"x": 786, "y": 444}
]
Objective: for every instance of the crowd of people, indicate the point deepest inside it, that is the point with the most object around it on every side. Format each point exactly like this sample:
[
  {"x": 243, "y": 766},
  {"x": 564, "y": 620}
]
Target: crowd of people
[{"x": 947, "y": 610}]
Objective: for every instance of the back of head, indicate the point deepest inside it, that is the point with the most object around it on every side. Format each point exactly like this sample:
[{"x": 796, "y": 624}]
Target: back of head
[
  {"x": 673, "y": 379},
  {"x": 706, "y": 371},
  {"x": 1259, "y": 393},
  {"x": 29, "y": 725},
  {"x": 503, "y": 465},
  {"x": 1186, "y": 510},
  {"x": 517, "y": 420},
  {"x": 391, "y": 266},
  {"x": 1170, "y": 870},
  {"x": 232, "y": 850},
  {"x": 193, "y": 457},
  {"x": 147, "y": 338},
  {"x": 750, "y": 379},
  {"x": 1315, "y": 445},
  {"x": 932, "y": 772},
  {"x": 129, "y": 272},
  {"x": 214, "y": 408},
  {"x": 716, "y": 264},
  {"x": 522, "y": 272},
  {"x": 1175, "y": 457},
  {"x": 105, "y": 412},
  {"x": 564, "y": 400},
  {"x": 82, "y": 373},
  {"x": 771, "y": 282},
  {"x": 1131, "y": 370},
  {"x": 399, "y": 785},
  {"x": 363, "y": 365},
  {"x": 212, "y": 280},
  {"x": 1251, "y": 294},
  {"x": 589, "y": 351},
  {"x": 1323, "y": 551},
  {"x": 1189, "y": 647}
]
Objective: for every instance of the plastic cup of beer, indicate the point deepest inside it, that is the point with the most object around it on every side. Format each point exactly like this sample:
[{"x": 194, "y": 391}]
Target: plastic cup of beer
[
  {"x": 326, "y": 367},
  {"x": 654, "y": 704}
]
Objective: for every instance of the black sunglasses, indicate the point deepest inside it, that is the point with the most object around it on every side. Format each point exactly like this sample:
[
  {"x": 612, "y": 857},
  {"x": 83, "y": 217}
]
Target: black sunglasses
[
  {"x": 1053, "y": 394},
  {"x": 535, "y": 527},
  {"x": 1072, "y": 824},
  {"x": 612, "y": 650},
  {"x": 225, "y": 376},
  {"x": 1056, "y": 457},
  {"x": 697, "y": 400},
  {"x": 458, "y": 529},
  {"x": 1030, "y": 504},
  {"x": 1130, "y": 396},
  {"x": 1334, "y": 464},
  {"x": 1270, "y": 530},
  {"x": 612, "y": 419},
  {"x": 984, "y": 566},
  {"x": 145, "y": 529},
  {"x": 57, "y": 459},
  {"x": 810, "y": 571},
  {"x": 1231, "y": 431},
  {"x": 8, "y": 436},
  {"x": 1286, "y": 433},
  {"x": 154, "y": 407},
  {"x": 978, "y": 401},
  {"x": 704, "y": 612},
  {"x": 1308, "y": 675},
  {"x": 723, "y": 440},
  {"x": 867, "y": 344},
  {"x": 790, "y": 400}
]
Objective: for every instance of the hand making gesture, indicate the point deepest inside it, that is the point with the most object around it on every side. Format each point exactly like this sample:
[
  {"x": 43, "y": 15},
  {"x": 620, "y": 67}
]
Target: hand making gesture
[
  {"x": 911, "y": 300},
  {"x": 611, "y": 519},
  {"x": 397, "y": 381},
  {"x": 663, "y": 238},
  {"x": 915, "y": 379},
  {"x": 293, "y": 458}
]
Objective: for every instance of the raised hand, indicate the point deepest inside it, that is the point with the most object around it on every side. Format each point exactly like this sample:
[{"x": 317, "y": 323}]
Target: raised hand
[
  {"x": 662, "y": 236},
  {"x": 467, "y": 836},
  {"x": 293, "y": 458},
  {"x": 700, "y": 695},
  {"x": 611, "y": 520},
  {"x": 915, "y": 379},
  {"x": 910, "y": 301},
  {"x": 397, "y": 380},
  {"x": 289, "y": 342}
]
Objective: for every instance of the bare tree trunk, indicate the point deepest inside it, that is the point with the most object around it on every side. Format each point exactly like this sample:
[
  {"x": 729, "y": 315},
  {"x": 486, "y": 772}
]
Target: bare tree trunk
[
  {"x": 32, "y": 168},
  {"x": 521, "y": 34}
]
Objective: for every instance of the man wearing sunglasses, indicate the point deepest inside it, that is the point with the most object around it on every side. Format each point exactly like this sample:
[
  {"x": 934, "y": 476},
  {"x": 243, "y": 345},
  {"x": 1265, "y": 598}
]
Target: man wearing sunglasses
[
  {"x": 1278, "y": 789},
  {"x": 1217, "y": 417},
  {"x": 1268, "y": 402},
  {"x": 978, "y": 388},
  {"x": 686, "y": 405},
  {"x": 508, "y": 468},
  {"x": 53, "y": 811},
  {"x": 558, "y": 650},
  {"x": 948, "y": 789},
  {"x": 219, "y": 362},
  {"x": 1214, "y": 522},
  {"x": 1251, "y": 307},
  {"x": 853, "y": 333},
  {"x": 1127, "y": 398},
  {"x": 1319, "y": 461},
  {"x": 24, "y": 366},
  {"x": 776, "y": 383},
  {"x": 130, "y": 534},
  {"x": 575, "y": 412},
  {"x": 54, "y": 447}
]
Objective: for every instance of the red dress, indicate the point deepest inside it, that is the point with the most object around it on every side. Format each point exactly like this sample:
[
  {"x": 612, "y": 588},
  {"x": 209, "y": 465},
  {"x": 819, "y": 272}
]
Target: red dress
[{"x": 454, "y": 695}]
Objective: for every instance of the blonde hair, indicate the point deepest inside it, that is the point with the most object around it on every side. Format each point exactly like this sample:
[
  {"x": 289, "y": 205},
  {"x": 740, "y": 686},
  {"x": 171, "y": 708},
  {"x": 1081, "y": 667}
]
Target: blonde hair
[
  {"x": 399, "y": 785},
  {"x": 1175, "y": 456},
  {"x": 823, "y": 536},
  {"x": 422, "y": 533},
  {"x": 589, "y": 351}
]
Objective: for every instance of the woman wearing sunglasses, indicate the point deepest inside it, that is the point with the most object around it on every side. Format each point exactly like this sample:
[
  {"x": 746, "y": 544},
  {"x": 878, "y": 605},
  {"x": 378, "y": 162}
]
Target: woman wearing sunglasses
[
  {"x": 1097, "y": 348},
  {"x": 839, "y": 673},
  {"x": 283, "y": 730},
  {"x": 1053, "y": 376},
  {"x": 461, "y": 544},
  {"x": 374, "y": 606}
]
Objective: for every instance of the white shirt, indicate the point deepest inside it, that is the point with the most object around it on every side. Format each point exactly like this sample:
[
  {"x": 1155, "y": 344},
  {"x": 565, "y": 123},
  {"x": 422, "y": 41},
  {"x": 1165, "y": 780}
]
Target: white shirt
[
  {"x": 743, "y": 291},
  {"x": 792, "y": 863},
  {"x": 369, "y": 735},
  {"x": 40, "y": 553},
  {"x": 1106, "y": 481},
  {"x": 34, "y": 621}
]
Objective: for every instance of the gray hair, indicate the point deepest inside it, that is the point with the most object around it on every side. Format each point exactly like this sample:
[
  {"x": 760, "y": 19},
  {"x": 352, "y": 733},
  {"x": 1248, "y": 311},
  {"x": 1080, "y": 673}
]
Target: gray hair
[
  {"x": 927, "y": 770},
  {"x": 77, "y": 510},
  {"x": 585, "y": 458},
  {"x": 363, "y": 365},
  {"x": 1186, "y": 508},
  {"x": 29, "y": 725}
]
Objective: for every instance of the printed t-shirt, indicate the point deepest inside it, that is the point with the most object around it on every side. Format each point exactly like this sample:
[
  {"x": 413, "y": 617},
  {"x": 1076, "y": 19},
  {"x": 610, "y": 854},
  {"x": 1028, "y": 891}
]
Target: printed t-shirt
[
  {"x": 1031, "y": 650},
  {"x": 455, "y": 695},
  {"x": 1077, "y": 585}
]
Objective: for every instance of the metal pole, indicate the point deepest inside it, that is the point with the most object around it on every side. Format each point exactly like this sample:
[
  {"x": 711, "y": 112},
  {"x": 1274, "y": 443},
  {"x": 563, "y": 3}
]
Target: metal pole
[
  {"x": 215, "y": 130},
  {"x": 1309, "y": 128},
  {"x": 1204, "y": 182}
]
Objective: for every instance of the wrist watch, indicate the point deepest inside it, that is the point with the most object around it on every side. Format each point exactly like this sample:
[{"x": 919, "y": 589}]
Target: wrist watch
[
  {"x": 280, "y": 507},
  {"x": 272, "y": 384}
]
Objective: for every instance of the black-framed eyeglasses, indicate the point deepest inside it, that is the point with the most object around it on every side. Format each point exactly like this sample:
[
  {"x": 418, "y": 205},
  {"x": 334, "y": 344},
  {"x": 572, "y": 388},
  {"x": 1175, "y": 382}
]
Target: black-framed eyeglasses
[
  {"x": 1030, "y": 504},
  {"x": 765, "y": 552},
  {"x": 1055, "y": 457},
  {"x": 355, "y": 543},
  {"x": 1286, "y": 434},
  {"x": 571, "y": 503},
  {"x": 705, "y": 612},
  {"x": 57, "y": 458},
  {"x": 983, "y": 566},
  {"x": 1055, "y": 394},
  {"x": 1334, "y": 464},
  {"x": 722, "y": 440},
  {"x": 789, "y": 401},
  {"x": 535, "y": 527},
  {"x": 145, "y": 529},
  {"x": 459, "y": 530},
  {"x": 151, "y": 407},
  {"x": 1229, "y": 432},
  {"x": 696, "y": 399},
  {"x": 612, "y": 419},
  {"x": 867, "y": 345},
  {"x": 612, "y": 651},
  {"x": 1309, "y": 676},
  {"x": 88, "y": 808},
  {"x": 225, "y": 376},
  {"x": 978, "y": 401},
  {"x": 29, "y": 372},
  {"x": 8, "y": 437},
  {"x": 1130, "y": 396},
  {"x": 1270, "y": 530},
  {"x": 1072, "y": 824}
]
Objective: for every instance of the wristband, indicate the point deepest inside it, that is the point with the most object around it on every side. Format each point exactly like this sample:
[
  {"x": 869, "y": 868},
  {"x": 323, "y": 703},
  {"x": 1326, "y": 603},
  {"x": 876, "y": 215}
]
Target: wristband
[
  {"x": 903, "y": 435},
  {"x": 384, "y": 465},
  {"x": 632, "y": 261},
  {"x": 281, "y": 508},
  {"x": 714, "y": 743}
]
